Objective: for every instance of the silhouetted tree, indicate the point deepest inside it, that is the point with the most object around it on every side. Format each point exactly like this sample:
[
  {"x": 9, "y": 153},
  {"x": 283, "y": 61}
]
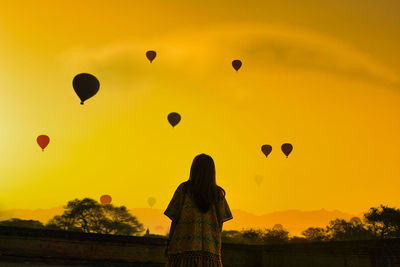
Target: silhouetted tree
[
  {"x": 252, "y": 236},
  {"x": 383, "y": 221},
  {"x": 340, "y": 229},
  {"x": 22, "y": 223},
  {"x": 89, "y": 216},
  {"x": 275, "y": 235},
  {"x": 315, "y": 234},
  {"x": 232, "y": 236}
]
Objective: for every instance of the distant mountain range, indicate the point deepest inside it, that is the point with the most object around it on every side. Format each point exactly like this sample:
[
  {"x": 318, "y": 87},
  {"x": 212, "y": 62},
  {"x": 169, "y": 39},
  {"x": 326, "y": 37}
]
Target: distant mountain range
[{"x": 293, "y": 220}]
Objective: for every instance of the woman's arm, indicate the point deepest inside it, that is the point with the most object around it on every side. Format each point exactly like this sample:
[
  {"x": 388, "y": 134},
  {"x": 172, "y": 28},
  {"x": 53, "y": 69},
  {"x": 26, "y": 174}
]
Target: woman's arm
[{"x": 172, "y": 229}]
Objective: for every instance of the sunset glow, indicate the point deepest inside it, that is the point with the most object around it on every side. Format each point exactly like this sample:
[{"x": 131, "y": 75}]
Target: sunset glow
[{"x": 320, "y": 75}]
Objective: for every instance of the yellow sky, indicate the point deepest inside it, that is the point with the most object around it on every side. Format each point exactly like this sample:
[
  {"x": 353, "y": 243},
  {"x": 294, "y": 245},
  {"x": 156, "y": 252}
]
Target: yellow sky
[{"x": 323, "y": 76}]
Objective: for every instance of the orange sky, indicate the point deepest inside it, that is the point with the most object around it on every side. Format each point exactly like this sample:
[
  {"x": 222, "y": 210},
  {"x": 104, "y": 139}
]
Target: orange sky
[{"x": 323, "y": 76}]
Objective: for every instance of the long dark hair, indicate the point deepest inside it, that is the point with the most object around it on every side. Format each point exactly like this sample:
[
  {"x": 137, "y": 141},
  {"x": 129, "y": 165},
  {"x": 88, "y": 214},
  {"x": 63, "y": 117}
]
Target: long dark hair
[{"x": 202, "y": 185}]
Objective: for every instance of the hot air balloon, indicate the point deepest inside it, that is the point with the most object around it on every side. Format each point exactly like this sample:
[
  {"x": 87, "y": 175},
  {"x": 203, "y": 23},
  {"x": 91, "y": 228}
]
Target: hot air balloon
[
  {"x": 85, "y": 86},
  {"x": 286, "y": 149},
  {"x": 174, "y": 118},
  {"x": 236, "y": 64},
  {"x": 266, "y": 149},
  {"x": 258, "y": 179},
  {"x": 355, "y": 220},
  {"x": 277, "y": 227},
  {"x": 151, "y": 55},
  {"x": 43, "y": 140},
  {"x": 151, "y": 201},
  {"x": 105, "y": 199}
]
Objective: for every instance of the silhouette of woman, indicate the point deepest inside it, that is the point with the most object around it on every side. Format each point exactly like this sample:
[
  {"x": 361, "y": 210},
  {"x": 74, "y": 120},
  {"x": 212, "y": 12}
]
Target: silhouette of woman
[{"x": 198, "y": 210}]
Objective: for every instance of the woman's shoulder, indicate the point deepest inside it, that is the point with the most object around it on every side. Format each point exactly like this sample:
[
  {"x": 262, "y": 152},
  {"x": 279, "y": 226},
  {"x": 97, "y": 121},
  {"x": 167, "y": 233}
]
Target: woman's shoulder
[
  {"x": 220, "y": 193},
  {"x": 182, "y": 186}
]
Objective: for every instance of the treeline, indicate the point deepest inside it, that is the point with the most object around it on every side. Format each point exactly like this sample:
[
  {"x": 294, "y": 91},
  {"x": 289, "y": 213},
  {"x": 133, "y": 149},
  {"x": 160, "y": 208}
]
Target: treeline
[
  {"x": 89, "y": 216},
  {"x": 379, "y": 222}
]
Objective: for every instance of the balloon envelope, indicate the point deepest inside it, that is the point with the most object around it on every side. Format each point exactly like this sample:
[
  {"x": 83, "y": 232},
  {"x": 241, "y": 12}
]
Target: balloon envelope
[
  {"x": 355, "y": 220},
  {"x": 236, "y": 64},
  {"x": 258, "y": 179},
  {"x": 174, "y": 118},
  {"x": 151, "y": 201},
  {"x": 105, "y": 199},
  {"x": 43, "y": 140},
  {"x": 266, "y": 149},
  {"x": 85, "y": 86},
  {"x": 277, "y": 227},
  {"x": 286, "y": 149},
  {"x": 151, "y": 55}
]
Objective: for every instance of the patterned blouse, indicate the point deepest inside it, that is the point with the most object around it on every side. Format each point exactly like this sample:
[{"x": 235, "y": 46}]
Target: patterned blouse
[{"x": 196, "y": 231}]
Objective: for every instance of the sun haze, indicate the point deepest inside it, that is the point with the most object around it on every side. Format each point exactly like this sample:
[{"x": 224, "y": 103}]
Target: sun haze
[{"x": 320, "y": 75}]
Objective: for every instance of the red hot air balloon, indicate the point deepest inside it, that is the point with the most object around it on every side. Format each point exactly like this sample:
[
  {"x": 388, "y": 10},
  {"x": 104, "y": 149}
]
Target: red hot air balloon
[
  {"x": 43, "y": 140},
  {"x": 85, "y": 86},
  {"x": 151, "y": 55},
  {"x": 105, "y": 199},
  {"x": 286, "y": 149},
  {"x": 174, "y": 118},
  {"x": 266, "y": 149},
  {"x": 236, "y": 64}
]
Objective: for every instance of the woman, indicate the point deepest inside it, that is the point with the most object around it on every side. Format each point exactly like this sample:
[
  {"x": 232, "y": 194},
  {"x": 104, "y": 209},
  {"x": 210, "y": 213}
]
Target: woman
[{"x": 197, "y": 210}]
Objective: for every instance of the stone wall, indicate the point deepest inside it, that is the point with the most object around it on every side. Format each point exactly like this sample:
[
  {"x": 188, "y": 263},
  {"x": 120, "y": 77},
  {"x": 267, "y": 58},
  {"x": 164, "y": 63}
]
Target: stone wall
[{"x": 38, "y": 247}]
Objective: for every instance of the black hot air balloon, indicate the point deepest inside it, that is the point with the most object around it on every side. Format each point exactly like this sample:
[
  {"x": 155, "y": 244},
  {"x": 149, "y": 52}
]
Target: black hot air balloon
[
  {"x": 266, "y": 149},
  {"x": 85, "y": 86},
  {"x": 286, "y": 149},
  {"x": 236, "y": 64},
  {"x": 151, "y": 55},
  {"x": 174, "y": 118}
]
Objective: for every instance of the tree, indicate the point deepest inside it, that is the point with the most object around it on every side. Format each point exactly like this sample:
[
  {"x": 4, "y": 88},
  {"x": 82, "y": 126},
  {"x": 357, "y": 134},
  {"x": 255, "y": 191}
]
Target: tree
[
  {"x": 275, "y": 235},
  {"x": 252, "y": 236},
  {"x": 22, "y": 223},
  {"x": 383, "y": 221},
  {"x": 89, "y": 216},
  {"x": 232, "y": 236},
  {"x": 340, "y": 229},
  {"x": 315, "y": 234}
]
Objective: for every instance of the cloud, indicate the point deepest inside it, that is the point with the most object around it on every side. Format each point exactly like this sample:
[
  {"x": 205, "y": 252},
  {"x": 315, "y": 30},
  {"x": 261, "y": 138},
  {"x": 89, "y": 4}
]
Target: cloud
[{"x": 190, "y": 51}]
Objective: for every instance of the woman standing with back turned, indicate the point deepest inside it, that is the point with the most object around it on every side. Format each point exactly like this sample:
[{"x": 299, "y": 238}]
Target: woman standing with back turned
[{"x": 197, "y": 210}]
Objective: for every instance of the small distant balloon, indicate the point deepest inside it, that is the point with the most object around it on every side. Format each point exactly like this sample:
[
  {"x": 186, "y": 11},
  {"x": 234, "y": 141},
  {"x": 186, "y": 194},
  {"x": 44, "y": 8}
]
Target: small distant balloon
[
  {"x": 236, "y": 64},
  {"x": 151, "y": 55},
  {"x": 105, "y": 199},
  {"x": 266, "y": 149},
  {"x": 159, "y": 228},
  {"x": 85, "y": 86},
  {"x": 286, "y": 149},
  {"x": 355, "y": 220},
  {"x": 277, "y": 227},
  {"x": 174, "y": 118},
  {"x": 43, "y": 140},
  {"x": 258, "y": 179},
  {"x": 151, "y": 201}
]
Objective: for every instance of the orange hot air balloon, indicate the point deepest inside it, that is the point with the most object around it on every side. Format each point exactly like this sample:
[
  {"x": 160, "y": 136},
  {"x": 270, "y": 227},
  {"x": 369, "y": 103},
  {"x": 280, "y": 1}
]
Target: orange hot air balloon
[
  {"x": 236, "y": 64},
  {"x": 151, "y": 55},
  {"x": 43, "y": 140},
  {"x": 105, "y": 199},
  {"x": 159, "y": 228}
]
